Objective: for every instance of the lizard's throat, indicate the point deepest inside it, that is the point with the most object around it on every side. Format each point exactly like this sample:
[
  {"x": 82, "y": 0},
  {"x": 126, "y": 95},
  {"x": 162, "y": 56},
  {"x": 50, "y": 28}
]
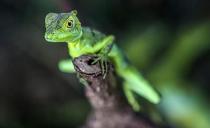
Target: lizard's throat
[{"x": 77, "y": 38}]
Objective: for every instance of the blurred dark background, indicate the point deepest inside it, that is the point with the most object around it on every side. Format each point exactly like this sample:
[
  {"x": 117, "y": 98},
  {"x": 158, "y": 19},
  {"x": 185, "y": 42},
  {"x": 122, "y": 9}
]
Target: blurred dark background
[{"x": 168, "y": 40}]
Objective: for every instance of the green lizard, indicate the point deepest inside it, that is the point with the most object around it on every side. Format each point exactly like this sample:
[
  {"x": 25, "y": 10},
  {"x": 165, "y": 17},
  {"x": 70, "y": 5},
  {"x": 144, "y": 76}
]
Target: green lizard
[{"x": 66, "y": 27}]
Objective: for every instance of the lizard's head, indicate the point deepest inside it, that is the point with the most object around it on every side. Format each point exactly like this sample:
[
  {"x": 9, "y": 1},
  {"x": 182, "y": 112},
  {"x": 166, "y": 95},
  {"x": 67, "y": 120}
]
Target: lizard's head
[{"x": 62, "y": 27}]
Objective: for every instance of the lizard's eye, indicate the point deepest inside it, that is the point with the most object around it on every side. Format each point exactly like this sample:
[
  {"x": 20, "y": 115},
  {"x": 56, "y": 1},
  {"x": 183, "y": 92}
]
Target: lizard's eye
[{"x": 70, "y": 24}]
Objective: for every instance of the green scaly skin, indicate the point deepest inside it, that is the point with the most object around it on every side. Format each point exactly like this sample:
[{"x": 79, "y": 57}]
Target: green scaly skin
[{"x": 66, "y": 27}]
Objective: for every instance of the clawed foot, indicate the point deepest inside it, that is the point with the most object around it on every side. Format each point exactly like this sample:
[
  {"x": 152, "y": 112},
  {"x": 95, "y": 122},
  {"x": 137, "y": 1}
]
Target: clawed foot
[{"x": 103, "y": 63}]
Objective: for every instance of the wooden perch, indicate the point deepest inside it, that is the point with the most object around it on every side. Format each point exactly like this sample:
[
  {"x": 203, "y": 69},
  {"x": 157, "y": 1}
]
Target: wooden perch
[{"x": 110, "y": 108}]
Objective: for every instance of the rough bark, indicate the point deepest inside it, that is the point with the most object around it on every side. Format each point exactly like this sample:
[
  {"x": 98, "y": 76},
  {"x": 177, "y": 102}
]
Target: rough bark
[{"x": 109, "y": 106}]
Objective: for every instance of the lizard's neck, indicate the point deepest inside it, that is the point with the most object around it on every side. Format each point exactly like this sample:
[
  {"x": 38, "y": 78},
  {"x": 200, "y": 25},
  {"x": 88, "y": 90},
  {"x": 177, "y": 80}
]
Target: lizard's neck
[
  {"x": 80, "y": 46},
  {"x": 74, "y": 48},
  {"x": 75, "y": 45}
]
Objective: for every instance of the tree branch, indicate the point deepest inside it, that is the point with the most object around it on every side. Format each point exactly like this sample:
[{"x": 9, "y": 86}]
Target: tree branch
[{"x": 110, "y": 108}]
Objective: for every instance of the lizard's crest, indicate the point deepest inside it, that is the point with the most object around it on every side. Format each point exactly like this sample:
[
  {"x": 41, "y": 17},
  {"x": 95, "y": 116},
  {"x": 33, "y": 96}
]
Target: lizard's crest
[{"x": 62, "y": 27}]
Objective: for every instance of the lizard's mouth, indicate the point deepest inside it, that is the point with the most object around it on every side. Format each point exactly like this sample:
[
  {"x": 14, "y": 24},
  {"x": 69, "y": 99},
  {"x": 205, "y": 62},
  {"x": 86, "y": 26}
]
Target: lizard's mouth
[
  {"x": 54, "y": 37},
  {"x": 62, "y": 36}
]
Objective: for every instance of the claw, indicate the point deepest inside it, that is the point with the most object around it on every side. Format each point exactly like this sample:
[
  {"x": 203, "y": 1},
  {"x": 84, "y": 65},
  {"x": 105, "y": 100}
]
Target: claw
[
  {"x": 103, "y": 64},
  {"x": 96, "y": 60},
  {"x": 106, "y": 69}
]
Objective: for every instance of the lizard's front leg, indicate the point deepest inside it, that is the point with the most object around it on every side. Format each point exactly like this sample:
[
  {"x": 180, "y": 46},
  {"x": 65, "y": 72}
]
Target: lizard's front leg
[{"x": 104, "y": 47}]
